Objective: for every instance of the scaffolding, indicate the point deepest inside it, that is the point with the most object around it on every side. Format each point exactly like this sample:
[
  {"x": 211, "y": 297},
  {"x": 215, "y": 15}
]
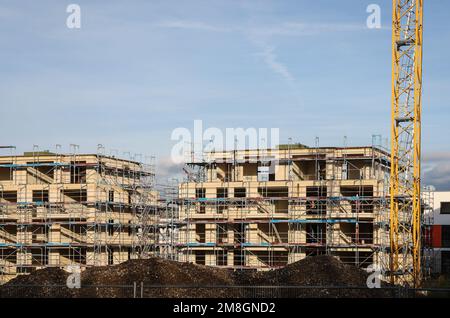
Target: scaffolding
[
  {"x": 263, "y": 209},
  {"x": 74, "y": 209},
  {"x": 168, "y": 225}
]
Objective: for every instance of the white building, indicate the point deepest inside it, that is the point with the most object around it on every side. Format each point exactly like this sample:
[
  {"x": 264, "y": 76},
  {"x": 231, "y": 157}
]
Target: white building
[{"x": 440, "y": 234}]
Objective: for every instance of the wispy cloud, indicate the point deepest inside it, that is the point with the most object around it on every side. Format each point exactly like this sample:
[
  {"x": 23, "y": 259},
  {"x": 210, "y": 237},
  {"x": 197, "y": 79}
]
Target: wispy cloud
[
  {"x": 271, "y": 60},
  {"x": 282, "y": 29},
  {"x": 192, "y": 25},
  {"x": 260, "y": 35},
  {"x": 304, "y": 29},
  {"x": 268, "y": 54}
]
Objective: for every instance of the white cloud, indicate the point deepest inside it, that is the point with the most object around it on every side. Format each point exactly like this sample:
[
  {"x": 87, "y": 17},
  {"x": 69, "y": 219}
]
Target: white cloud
[
  {"x": 437, "y": 156},
  {"x": 271, "y": 60},
  {"x": 166, "y": 170},
  {"x": 192, "y": 25},
  {"x": 436, "y": 170}
]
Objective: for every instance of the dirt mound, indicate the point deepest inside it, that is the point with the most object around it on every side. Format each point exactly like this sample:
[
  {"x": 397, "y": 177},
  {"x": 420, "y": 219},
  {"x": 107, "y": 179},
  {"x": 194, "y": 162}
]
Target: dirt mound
[
  {"x": 48, "y": 282},
  {"x": 105, "y": 281},
  {"x": 312, "y": 271},
  {"x": 345, "y": 280},
  {"x": 157, "y": 272}
]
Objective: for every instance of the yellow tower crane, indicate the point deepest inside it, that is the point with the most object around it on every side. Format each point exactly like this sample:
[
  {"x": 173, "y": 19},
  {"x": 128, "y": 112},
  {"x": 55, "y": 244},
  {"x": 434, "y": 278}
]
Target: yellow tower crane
[{"x": 405, "y": 200}]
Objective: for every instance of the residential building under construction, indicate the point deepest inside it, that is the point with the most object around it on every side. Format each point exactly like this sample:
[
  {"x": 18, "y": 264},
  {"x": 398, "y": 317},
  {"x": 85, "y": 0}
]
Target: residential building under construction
[
  {"x": 76, "y": 209},
  {"x": 262, "y": 209}
]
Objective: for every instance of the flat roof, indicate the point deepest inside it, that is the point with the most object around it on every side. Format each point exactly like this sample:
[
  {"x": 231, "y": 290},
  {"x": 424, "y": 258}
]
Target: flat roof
[
  {"x": 53, "y": 155},
  {"x": 293, "y": 150}
]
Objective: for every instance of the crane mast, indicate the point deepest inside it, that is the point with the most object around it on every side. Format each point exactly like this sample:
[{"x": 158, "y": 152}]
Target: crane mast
[{"x": 405, "y": 197}]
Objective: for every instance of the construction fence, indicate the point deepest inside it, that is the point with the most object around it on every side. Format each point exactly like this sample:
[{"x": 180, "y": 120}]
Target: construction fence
[{"x": 141, "y": 290}]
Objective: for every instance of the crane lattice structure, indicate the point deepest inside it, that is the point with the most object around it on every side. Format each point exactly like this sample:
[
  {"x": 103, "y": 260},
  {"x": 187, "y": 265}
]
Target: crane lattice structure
[{"x": 405, "y": 202}]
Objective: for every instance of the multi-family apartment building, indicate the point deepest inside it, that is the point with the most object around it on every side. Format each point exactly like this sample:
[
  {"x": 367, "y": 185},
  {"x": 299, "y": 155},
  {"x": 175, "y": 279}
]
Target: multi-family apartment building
[
  {"x": 260, "y": 209},
  {"x": 78, "y": 209}
]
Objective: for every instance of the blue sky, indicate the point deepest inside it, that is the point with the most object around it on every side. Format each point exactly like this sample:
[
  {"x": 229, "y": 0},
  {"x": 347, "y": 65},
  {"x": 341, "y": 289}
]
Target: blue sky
[{"x": 138, "y": 69}]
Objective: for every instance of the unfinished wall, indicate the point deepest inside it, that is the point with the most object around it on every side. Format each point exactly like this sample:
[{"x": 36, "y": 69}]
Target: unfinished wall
[
  {"x": 305, "y": 202},
  {"x": 59, "y": 210}
]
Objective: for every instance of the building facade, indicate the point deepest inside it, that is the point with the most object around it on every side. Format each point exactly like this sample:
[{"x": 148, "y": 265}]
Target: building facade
[
  {"x": 440, "y": 233},
  {"x": 80, "y": 209},
  {"x": 262, "y": 209}
]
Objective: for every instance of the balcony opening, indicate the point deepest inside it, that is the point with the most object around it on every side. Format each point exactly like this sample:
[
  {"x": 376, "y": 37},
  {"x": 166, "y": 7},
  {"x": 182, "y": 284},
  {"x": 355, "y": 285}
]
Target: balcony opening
[
  {"x": 6, "y": 173},
  {"x": 9, "y": 196},
  {"x": 222, "y": 258},
  {"x": 200, "y": 234},
  {"x": 200, "y": 257},
  {"x": 75, "y": 195},
  {"x": 240, "y": 192},
  {"x": 360, "y": 199},
  {"x": 40, "y": 196},
  {"x": 222, "y": 193},
  {"x": 200, "y": 193},
  {"x": 316, "y": 200},
  {"x": 110, "y": 226},
  {"x": 309, "y": 169},
  {"x": 78, "y": 172},
  {"x": 222, "y": 233},
  {"x": 316, "y": 233}
]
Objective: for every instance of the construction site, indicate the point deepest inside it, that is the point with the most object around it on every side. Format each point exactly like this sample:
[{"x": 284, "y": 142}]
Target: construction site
[
  {"x": 264, "y": 209},
  {"x": 291, "y": 220},
  {"x": 73, "y": 210},
  {"x": 241, "y": 211}
]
